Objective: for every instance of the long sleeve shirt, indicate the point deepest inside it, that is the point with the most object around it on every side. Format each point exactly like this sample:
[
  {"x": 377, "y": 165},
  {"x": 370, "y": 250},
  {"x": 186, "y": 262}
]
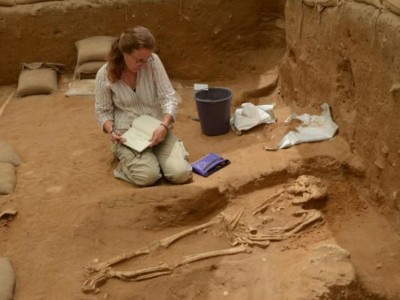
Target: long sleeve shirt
[{"x": 119, "y": 103}]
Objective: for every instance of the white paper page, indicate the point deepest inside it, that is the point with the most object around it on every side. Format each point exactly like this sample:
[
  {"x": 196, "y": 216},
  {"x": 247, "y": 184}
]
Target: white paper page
[
  {"x": 139, "y": 135},
  {"x": 136, "y": 139}
]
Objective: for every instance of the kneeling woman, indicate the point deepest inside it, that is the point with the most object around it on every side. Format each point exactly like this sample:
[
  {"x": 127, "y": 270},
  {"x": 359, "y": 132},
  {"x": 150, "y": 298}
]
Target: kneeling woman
[{"x": 133, "y": 83}]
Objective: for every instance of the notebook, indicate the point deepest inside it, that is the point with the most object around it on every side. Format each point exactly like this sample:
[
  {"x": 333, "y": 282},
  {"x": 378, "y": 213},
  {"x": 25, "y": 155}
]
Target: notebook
[{"x": 139, "y": 135}]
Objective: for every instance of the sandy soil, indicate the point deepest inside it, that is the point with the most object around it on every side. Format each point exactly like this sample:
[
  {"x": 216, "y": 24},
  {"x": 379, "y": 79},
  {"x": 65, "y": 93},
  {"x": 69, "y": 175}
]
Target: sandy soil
[{"x": 72, "y": 212}]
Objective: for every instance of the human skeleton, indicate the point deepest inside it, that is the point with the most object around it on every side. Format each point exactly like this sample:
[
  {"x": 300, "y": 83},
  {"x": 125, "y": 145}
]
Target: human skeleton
[{"x": 240, "y": 235}]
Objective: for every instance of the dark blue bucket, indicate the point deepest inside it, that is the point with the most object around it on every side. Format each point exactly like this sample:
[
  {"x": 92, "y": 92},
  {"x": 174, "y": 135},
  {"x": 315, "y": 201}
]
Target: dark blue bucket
[{"x": 214, "y": 109}]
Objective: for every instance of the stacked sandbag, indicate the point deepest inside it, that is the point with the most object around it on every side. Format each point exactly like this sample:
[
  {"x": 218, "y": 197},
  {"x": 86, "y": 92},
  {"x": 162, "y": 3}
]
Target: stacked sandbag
[
  {"x": 92, "y": 53},
  {"x": 38, "y": 78},
  {"x": 9, "y": 159}
]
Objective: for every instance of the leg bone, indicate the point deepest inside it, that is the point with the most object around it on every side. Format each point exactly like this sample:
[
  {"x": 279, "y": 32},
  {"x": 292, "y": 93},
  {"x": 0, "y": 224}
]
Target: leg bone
[
  {"x": 142, "y": 274},
  {"x": 169, "y": 240},
  {"x": 229, "y": 251},
  {"x": 267, "y": 203},
  {"x": 120, "y": 258}
]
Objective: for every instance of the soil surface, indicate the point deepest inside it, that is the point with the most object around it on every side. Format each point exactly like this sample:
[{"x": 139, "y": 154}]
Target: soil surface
[{"x": 72, "y": 212}]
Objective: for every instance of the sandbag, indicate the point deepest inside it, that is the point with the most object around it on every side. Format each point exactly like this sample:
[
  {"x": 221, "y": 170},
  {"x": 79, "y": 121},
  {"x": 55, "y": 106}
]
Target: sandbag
[
  {"x": 376, "y": 3},
  {"x": 38, "y": 78},
  {"x": 8, "y": 154},
  {"x": 40, "y": 81},
  {"x": 7, "y": 179},
  {"x": 393, "y": 6},
  {"x": 7, "y": 279},
  {"x": 323, "y": 3},
  {"x": 89, "y": 69},
  {"x": 95, "y": 48}
]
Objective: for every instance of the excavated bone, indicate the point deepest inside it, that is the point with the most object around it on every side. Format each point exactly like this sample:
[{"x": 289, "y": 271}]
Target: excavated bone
[
  {"x": 120, "y": 258},
  {"x": 279, "y": 233},
  {"x": 267, "y": 203},
  {"x": 228, "y": 226},
  {"x": 142, "y": 274},
  {"x": 252, "y": 229},
  {"x": 235, "y": 219},
  {"x": 243, "y": 239},
  {"x": 169, "y": 240},
  {"x": 312, "y": 216},
  {"x": 91, "y": 285},
  {"x": 196, "y": 257},
  {"x": 307, "y": 188}
]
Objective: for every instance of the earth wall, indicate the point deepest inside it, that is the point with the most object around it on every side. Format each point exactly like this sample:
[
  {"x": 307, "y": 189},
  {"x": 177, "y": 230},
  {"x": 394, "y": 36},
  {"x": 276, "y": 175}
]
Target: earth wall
[
  {"x": 347, "y": 56},
  {"x": 197, "y": 39}
]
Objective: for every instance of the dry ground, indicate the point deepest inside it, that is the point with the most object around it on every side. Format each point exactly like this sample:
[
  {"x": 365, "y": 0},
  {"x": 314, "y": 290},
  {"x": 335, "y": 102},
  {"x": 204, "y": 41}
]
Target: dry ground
[{"x": 71, "y": 211}]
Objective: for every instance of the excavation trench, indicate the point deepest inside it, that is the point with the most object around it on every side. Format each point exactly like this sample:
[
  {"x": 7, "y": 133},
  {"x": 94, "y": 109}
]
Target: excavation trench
[{"x": 73, "y": 214}]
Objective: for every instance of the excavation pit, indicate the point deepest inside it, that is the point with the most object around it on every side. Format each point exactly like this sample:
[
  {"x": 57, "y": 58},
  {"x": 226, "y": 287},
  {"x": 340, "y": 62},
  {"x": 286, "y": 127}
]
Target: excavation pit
[{"x": 72, "y": 213}]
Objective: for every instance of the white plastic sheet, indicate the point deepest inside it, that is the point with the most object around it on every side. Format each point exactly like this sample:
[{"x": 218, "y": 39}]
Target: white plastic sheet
[
  {"x": 313, "y": 129},
  {"x": 83, "y": 87},
  {"x": 250, "y": 115}
]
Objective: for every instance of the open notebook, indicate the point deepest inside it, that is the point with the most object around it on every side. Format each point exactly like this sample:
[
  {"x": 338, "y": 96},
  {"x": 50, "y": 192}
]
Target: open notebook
[{"x": 139, "y": 135}]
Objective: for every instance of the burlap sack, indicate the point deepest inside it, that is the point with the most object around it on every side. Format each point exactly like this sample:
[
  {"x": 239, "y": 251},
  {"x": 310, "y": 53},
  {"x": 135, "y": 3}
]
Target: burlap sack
[
  {"x": 393, "y": 6},
  {"x": 89, "y": 68},
  {"x": 7, "y": 279},
  {"x": 8, "y": 155},
  {"x": 7, "y": 2},
  {"x": 7, "y": 179},
  {"x": 323, "y": 3},
  {"x": 376, "y": 3},
  {"x": 40, "y": 81},
  {"x": 38, "y": 78},
  {"x": 94, "y": 48}
]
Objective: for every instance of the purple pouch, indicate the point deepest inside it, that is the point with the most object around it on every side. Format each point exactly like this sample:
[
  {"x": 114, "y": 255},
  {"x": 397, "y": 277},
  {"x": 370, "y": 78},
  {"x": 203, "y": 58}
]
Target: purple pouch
[{"x": 209, "y": 164}]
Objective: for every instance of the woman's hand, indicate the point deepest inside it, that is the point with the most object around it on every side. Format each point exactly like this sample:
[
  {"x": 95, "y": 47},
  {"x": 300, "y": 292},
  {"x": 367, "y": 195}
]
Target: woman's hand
[
  {"x": 158, "y": 135},
  {"x": 114, "y": 134},
  {"x": 115, "y": 137}
]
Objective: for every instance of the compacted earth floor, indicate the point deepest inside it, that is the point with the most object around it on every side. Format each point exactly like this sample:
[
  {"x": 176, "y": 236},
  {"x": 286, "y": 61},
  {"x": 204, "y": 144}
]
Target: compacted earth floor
[{"x": 72, "y": 212}]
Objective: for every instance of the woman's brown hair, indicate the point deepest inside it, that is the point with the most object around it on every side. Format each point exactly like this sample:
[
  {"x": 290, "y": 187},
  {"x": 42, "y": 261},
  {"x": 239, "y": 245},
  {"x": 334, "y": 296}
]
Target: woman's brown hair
[{"x": 130, "y": 40}]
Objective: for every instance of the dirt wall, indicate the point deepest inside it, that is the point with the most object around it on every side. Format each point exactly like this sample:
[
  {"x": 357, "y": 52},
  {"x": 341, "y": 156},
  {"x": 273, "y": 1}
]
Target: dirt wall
[
  {"x": 197, "y": 39},
  {"x": 348, "y": 57}
]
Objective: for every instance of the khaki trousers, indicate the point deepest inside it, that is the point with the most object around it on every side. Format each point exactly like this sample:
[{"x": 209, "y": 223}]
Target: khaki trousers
[{"x": 169, "y": 159}]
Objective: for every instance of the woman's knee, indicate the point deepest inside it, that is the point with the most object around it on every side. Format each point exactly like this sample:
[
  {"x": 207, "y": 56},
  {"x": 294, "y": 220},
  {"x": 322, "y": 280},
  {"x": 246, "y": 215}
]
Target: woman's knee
[
  {"x": 179, "y": 175},
  {"x": 145, "y": 176}
]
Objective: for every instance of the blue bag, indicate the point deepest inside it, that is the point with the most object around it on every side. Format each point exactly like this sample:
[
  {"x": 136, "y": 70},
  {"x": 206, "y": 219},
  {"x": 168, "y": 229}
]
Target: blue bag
[{"x": 209, "y": 164}]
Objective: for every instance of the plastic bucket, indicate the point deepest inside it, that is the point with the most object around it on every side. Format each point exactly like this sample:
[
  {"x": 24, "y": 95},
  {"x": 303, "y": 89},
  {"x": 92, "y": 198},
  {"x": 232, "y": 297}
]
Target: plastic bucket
[{"x": 214, "y": 109}]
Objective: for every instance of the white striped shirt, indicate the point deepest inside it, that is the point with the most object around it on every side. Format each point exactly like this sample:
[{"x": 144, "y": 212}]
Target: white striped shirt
[{"x": 118, "y": 102}]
